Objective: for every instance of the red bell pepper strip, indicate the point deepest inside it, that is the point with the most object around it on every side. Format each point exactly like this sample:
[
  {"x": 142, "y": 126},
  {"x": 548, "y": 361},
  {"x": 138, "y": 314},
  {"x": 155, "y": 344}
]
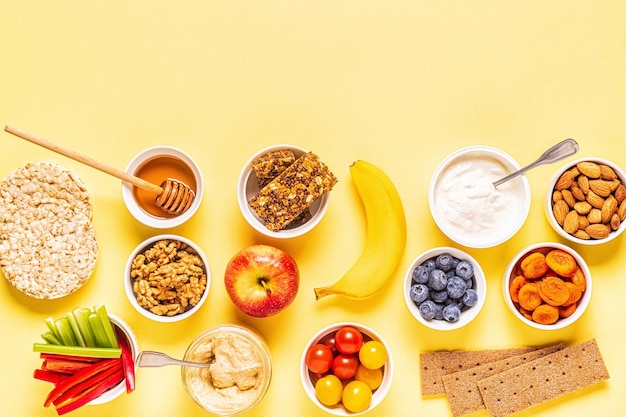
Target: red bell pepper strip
[
  {"x": 91, "y": 394},
  {"x": 45, "y": 356},
  {"x": 88, "y": 384},
  {"x": 78, "y": 377},
  {"x": 64, "y": 365},
  {"x": 128, "y": 361},
  {"x": 50, "y": 376}
]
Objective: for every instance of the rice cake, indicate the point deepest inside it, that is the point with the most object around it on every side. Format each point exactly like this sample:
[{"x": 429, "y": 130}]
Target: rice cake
[
  {"x": 462, "y": 387},
  {"x": 48, "y": 247},
  {"x": 547, "y": 378},
  {"x": 434, "y": 365}
]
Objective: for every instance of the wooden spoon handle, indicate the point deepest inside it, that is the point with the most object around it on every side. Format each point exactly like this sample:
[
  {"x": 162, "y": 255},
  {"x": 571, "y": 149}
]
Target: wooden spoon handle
[{"x": 124, "y": 176}]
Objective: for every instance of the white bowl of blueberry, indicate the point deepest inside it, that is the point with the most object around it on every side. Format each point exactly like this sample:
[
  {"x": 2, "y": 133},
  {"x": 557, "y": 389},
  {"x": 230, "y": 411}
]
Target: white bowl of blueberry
[{"x": 444, "y": 288}]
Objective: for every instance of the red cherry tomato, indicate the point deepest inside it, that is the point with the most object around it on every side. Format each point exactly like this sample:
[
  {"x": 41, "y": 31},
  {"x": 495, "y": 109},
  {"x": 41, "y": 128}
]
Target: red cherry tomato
[
  {"x": 329, "y": 340},
  {"x": 345, "y": 366},
  {"x": 319, "y": 358},
  {"x": 348, "y": 340}
]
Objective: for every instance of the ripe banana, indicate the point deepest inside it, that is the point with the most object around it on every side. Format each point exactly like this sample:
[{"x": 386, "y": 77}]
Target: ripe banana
[{"x": 385, "y": 235}]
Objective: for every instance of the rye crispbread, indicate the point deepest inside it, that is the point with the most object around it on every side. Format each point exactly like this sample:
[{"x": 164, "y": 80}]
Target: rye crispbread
[
  {"x": 547, "y": 378},
  {"x": 462, "y": 387},
  {"x": 434, "y": 365}
]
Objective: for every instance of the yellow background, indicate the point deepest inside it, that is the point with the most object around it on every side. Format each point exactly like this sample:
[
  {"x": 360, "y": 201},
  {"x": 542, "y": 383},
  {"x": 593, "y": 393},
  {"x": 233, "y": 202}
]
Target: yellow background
[{"x": 398, "y": 83}]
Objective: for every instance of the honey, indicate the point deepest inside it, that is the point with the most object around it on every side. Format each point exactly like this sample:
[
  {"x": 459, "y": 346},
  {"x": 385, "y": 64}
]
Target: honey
[{"x": 156, "y": 171}]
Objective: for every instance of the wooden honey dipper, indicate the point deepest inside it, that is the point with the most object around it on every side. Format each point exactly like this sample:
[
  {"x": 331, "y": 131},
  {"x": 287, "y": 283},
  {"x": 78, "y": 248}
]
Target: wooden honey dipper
[{"x": 173, "y": 196}]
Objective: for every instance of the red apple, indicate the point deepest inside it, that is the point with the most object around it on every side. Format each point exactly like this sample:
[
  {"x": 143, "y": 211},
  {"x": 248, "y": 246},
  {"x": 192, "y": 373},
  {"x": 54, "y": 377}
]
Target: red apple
[{"x": 262, "y": 280}]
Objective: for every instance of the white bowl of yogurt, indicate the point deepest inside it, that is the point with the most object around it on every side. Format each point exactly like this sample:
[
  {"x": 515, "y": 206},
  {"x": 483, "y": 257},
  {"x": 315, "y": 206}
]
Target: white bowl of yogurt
[{"x": 465, "y": 204}]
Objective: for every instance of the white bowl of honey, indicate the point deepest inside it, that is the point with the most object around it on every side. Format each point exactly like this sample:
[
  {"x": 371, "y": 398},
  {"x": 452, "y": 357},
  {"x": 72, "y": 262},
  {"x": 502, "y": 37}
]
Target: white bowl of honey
[{"x": 156, "y": 164}]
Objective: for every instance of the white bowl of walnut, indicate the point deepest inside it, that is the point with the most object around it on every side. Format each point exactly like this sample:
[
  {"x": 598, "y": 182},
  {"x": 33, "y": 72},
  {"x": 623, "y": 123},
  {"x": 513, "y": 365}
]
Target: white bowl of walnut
[
  {"x": 586, "y": 201},
  {"x": 296, "y": 214},
  {"x": 167, "y": 278}
]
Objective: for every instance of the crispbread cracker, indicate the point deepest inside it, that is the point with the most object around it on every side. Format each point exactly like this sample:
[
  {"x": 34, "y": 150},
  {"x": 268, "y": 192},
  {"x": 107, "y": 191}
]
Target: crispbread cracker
[
  {"x": 462, "y": 387},
  {"x": 547, "y": 378},
  {"x": 48, "y": 247},
  {"x": 433, "y": 365}
]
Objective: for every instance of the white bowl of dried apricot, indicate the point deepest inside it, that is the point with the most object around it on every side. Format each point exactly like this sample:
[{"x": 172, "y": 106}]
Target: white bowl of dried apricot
[
  {"x": 586, "y": 201},
  {"x": 283, "y": 191},
  {"x": 547, "y": 286},
  {"x": 167, "y": 278}
]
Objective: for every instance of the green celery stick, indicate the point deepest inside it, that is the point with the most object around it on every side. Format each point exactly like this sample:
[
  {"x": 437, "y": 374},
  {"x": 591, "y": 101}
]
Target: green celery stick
[
  {"x": 65, "y": 330},
  {"x": 83, "y": 324},
  {"x": 108, "y": 327},
  {"x": 49, "y": 337},
  {"x": 75, "y": 329},
  {"x": 92, "y": 352},
  {"x": 52, "y": 327},
  {"x": 98, "y": 330}
]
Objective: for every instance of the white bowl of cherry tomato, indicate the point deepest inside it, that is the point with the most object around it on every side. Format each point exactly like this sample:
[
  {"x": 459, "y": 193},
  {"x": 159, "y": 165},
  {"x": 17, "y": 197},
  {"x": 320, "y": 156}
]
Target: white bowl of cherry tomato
[{"x": 346, "y": 369}]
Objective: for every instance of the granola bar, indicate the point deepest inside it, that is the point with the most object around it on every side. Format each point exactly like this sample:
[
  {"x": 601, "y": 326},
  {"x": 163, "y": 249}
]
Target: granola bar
[
  {"x": 271, "y": 164},
  {"x": 293, "y": 191}
]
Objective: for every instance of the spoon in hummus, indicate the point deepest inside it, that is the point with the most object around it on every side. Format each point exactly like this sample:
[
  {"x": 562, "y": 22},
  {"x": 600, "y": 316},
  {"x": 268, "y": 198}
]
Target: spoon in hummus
[
  {"x": 559, "y": 151},
  {"x": 150, "y": 359}
]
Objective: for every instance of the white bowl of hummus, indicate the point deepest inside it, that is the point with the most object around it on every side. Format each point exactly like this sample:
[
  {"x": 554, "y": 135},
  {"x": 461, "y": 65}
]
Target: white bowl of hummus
[
  {"x": 465, "y": 204},
  {"x": 240, "y": 371}
]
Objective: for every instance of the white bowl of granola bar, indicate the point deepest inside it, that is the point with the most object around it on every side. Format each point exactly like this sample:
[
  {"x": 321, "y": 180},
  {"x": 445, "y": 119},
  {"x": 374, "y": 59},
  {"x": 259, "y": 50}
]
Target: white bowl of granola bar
[
  {"x": 265, "y": 178},
  {"x": 167, "y": 278}
]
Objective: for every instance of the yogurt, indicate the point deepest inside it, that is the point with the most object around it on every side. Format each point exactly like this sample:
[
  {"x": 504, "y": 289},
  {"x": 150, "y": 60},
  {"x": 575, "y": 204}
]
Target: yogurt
[{"x": 468, "y": 208}]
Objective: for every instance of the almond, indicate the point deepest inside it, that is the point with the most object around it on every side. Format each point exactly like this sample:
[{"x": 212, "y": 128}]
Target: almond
[
  {"x": 583, "y": 222},
  {"x": 564, "y": 181},
  {"x": 570, "y": 224},
  {"x": 594, "y": 216},
  {"x": 581, "y": 234},
  {"x": 583, "y": 183},
  {"x": 595, "y": 200},
  {"x": 568, "y": 197},
  {"x": 560, "y": 210},
  {"x": 607, "y": 173},
  {"x": 598, "y": 231},
  {"x": 620, "y": 193},
  {"x": 615, "y": 222},
  {"x": 608, "y": 209},
  {"x": 621, "y": 211},
  {"x": 582, "y": 207},
  {"x": 556, "y": 196},
  {"x": 600, "y": 187},
  {"x": 578, "y": 193},
  {"x": 614, "y": 184},
  {"x": 589, "y": 169}
]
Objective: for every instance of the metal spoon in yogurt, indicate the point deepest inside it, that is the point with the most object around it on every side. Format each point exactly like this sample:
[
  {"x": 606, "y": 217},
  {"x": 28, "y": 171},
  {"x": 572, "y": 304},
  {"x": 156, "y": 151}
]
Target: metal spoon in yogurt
[
  {"x": 150, "y": 359},
  {"x": 559, "y": 151}
]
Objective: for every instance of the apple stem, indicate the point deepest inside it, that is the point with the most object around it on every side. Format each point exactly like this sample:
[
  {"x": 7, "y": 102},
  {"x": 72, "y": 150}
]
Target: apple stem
[{"x": 263, "y": 282}]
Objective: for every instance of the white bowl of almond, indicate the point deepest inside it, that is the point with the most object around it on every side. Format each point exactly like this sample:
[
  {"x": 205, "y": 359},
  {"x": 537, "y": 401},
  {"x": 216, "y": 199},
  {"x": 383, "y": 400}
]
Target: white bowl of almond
[{"x": 586, "y": 201}]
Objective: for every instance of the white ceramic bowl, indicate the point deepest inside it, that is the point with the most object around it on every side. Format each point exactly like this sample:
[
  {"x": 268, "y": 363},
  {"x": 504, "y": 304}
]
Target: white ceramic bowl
[
  {"x": 377, "y": 396},
  {"x": 512, "y": 270},
  {"x": 128, "y": 284},
  {"x": 151, "y": 219},
  {"x": 248, "y": 186},
  {"x": 120, "y": 388},
  {"x": 244, "y": 342},
  {"x": 468, "y": 208},
  {"x": 479, "y": 285},
  {"x": 549, "y": 203}
]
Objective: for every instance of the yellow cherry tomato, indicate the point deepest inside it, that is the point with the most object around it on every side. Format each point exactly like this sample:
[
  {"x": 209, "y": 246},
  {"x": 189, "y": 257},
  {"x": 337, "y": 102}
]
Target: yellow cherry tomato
[
  {"x": 372, "y": 377},
  {"x": 357, "y": 396},
  {"x": 373, "y": 354},
  {"x": 328, "y": 390}
]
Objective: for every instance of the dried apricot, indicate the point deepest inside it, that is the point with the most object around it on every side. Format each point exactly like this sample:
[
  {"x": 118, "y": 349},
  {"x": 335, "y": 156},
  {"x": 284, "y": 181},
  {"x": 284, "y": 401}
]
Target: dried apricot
[
  {"x": 546, "y": 314},
  {"x": 566, "y": 311},
  {"x": 574, "y": 294},
  {"x": 529, "y": 297},
  {"x": 561, "y": 262},
  {"x": 553, "y": 291},
  {"x": 578, "y": 278},
  {"x": 526, "y": 313},
  {"x": 516, "y": 284},
  {"x": 534, "y": 265}
]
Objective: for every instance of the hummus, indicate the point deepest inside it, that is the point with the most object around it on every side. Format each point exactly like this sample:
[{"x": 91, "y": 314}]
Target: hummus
[{"x": 236, "y": 378}]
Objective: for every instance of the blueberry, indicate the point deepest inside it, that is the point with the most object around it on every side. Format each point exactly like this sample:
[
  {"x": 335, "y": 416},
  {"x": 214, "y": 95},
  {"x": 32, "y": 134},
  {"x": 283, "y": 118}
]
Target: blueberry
[
  {"x": 469, "y": 283},
  {"x": 419, "y": 293},
  {"x": 465, "y": 270},
  {"x": 445, "y": 262},
  {"x": 428, "y": 309},
  {"x": 450, "y": 273},
  {"x": 430, "y": 264},
  {"x": 451, "y": 313},
  {"x": 420, "y": 274},
  {"x": 470, "y": 298},
  {"x": 439, "y": 311},
  {"x": 437, "y": 280},
  {"x": 456, "y": 287},
  {"x": 439, "y": 296}
]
